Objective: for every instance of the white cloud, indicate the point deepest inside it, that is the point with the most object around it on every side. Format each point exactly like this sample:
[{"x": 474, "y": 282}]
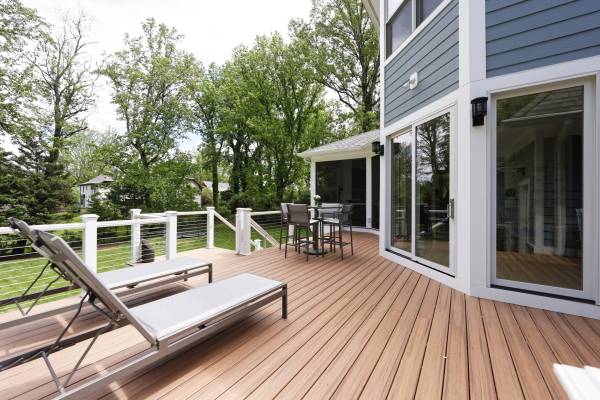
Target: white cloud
[{"x": 212, "y": 29}]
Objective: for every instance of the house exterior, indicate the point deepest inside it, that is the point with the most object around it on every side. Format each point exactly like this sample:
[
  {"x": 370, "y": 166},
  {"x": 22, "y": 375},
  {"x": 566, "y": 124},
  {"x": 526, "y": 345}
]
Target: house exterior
[
  {"x": 95, "y": 185},
  {"x": 490, "y": 180},
  {"x": 347, "y": 171}
]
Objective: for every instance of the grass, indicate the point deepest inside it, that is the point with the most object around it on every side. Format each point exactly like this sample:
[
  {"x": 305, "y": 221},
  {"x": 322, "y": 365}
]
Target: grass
[{"x": 16, "y": 275}]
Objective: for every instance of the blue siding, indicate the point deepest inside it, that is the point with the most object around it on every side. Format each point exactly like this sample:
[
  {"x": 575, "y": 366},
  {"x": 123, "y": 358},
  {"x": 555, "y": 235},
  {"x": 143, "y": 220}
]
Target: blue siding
[
  {"x": 433, "y": 53},
  {"x": 527, "y": 34}
]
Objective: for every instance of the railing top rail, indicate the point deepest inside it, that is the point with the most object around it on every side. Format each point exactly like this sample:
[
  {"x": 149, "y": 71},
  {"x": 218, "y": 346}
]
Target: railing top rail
[
  {"x": 276, "y": 212},
  {"x": 151, "y": 215},
  {"x": 179, "y": 213},
  {"x": 128, "y": 222},
  {"x": 46, "y": 228},
  {"x": 184, "y": 213}
]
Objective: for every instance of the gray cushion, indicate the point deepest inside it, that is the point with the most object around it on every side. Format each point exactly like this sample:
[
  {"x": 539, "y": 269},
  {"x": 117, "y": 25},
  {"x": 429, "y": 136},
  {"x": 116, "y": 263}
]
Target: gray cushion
[
  {"x": 192, "y": 308},
  {"x": 159, "y": 269}
]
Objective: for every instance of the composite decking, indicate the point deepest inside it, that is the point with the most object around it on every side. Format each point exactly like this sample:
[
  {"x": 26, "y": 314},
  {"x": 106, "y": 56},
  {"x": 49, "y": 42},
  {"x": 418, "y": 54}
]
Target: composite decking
[{"x": 359, "y": 328}]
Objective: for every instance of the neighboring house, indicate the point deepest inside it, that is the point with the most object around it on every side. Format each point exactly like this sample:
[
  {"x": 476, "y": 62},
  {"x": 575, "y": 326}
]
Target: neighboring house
[
  {"x": 199, "y": 186},
  {"x": 490, "y": 180},
  {"x": 95, "y": 185},
  {"x": 347, "y": 171}
]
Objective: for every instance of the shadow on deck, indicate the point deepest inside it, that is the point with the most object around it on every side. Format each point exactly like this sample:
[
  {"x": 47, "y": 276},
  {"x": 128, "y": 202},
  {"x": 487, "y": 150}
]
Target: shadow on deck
[{"x": 359, "y": 328}]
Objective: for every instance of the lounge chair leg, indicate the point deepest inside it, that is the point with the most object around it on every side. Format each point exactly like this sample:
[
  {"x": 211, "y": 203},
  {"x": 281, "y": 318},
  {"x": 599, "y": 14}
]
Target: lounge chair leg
[
  {"x": 210, "y": 277},
  {"x": 284, "y": 303}
]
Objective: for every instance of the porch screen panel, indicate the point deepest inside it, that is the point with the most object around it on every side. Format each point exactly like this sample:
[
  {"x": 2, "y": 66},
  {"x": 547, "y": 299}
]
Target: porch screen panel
[
  {"x": 539, "y": 193},
  {"x": 344, "y": 181}
]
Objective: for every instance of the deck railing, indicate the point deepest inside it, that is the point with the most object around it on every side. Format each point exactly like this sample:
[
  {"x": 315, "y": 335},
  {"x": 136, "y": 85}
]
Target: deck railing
[{"x": 108, "y": 245}]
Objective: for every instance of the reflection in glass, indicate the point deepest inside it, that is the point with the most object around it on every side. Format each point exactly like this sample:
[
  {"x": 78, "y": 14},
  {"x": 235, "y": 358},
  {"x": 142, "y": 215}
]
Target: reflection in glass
[
  {"x": 402, "y": 192},
  {"x": 399, "y": 27},
  {"x": 433, "y": 190},
  {"x": 539, "y": 192},
  {"x": 424, "y": 8}
]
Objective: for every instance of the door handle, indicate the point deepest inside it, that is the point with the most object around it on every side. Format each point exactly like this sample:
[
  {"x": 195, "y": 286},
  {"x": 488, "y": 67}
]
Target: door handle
[{"x": 450, "y": 209}]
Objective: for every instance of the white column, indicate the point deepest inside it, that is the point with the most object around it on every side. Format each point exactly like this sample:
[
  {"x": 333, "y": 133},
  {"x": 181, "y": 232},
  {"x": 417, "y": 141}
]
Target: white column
[
  {"x": 136, "y": 235},
  {"x": 171, "y": 234},
  {"x": 90, "y": 240},
  {"x": 210, "y": 228},
  {"x": 242, "y": 231},
  {"x": 369, "y": 194},
  {"x": 313, "y": 181}
]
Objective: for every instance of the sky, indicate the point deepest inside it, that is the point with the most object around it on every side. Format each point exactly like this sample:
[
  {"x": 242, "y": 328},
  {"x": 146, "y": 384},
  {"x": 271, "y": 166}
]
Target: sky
[{"x": 212, "y": 29}]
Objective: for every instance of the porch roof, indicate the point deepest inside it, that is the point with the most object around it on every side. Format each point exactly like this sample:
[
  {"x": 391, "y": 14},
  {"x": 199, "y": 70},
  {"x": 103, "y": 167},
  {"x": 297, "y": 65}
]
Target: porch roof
[{"x": 358, "y": 142}]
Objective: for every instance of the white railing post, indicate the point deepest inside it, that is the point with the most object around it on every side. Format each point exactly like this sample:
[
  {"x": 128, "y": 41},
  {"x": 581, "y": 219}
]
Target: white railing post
[
  {"x": 90, "y": 241},
  {"x": 171, "y": 234},
  {"x": 243, "y": 231},
  {"x": 210, "y": 228},
  {"x": 136, "y": 236}
]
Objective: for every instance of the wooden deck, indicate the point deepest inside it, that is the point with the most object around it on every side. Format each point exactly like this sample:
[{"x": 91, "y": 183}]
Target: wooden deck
[{"x": 359, "y": 328}]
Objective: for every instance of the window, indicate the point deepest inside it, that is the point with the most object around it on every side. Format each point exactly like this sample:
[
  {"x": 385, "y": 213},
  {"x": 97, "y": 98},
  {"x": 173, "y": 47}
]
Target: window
[{"x": 403, "y": 18}]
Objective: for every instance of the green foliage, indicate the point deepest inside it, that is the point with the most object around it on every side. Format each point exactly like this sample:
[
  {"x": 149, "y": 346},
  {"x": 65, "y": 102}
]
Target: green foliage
[
  {"x": 87, "y": 155},
  {"x": 165, "y": 186},
  {"x": 19, "y": 28},
  {"x": 105, "y": 210},
  {"x": 343, "y": 47},
  {"x": 256, "y": 112},
  {"x": 151, "y": 80}
]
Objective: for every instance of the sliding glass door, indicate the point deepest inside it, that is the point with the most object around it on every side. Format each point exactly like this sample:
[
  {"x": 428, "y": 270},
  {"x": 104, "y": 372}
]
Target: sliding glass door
[
  {"x": 421, "y": 204},
  {"x": 540, "y": 191}
]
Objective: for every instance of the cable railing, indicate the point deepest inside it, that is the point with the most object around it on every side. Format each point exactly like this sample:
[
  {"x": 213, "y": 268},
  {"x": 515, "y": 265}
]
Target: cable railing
[{"x": 110, "y": 245}]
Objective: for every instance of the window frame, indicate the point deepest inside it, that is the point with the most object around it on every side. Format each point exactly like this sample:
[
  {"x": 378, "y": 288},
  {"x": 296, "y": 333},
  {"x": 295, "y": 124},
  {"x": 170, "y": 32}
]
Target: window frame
[
  {"x": 590, "y": 199},
  {"x": 389, "y": 53},
  {"x": 411, "y": 255}
]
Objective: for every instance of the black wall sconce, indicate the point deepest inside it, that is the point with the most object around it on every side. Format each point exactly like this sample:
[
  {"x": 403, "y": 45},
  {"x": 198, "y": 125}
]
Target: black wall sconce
[
  {"x": 479, "y": 110},
  {"x": 377, "y": 148}
]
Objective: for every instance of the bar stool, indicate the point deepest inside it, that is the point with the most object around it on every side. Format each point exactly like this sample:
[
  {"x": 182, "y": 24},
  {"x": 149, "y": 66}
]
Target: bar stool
[{"x": 342, "y": 219}]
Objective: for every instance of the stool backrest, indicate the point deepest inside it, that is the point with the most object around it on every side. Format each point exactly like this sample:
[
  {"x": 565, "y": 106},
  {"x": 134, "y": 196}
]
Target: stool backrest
[
  {"x": 298, "y": 214},
  {"x": 345, "y": 215},
  {"x": 330, "y": 210}
]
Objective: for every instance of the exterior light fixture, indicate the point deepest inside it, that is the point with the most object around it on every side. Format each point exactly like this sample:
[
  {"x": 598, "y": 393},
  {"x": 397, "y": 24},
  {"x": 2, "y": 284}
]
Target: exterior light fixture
[
  {"x": 479, "y": 110},
  {"x": 377, "y": 148}
]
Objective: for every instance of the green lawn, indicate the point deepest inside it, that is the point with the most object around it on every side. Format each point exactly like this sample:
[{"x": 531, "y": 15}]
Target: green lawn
[{"x": 16, "y": 275}]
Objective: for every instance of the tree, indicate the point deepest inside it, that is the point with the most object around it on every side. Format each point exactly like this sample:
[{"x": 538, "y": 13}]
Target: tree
[
  {"x": 86, "y": 155},
  {"x": 207, "y": 111},
  {"x": 61, "y": 93},
  {"x": 20, "y": 27},
  {"x": 151, "y": 80},
  {"x": 274, "y": 109},
  {"x": 343, "y": 45}
]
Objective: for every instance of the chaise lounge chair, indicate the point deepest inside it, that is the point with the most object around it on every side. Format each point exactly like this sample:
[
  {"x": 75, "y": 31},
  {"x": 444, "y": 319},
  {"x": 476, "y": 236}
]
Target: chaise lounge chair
[
  {"x": 151, "y": 275},
  {"x": 170, "y": 324}
]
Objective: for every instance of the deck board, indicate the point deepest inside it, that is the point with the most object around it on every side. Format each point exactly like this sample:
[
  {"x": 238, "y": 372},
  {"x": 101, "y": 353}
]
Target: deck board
[{"x": 359, "y": 328}]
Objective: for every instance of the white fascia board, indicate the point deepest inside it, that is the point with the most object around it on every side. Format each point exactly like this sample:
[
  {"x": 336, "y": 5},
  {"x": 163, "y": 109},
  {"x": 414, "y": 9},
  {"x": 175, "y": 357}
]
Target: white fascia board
[{"x": 372, "y": 7}]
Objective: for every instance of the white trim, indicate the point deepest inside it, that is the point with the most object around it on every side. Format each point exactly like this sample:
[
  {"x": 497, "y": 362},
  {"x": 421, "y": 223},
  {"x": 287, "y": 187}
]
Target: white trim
[
  {"x": 431, "y": 109},
  {"x": 346, "y": 155},
  {"x": 590, "y": 201},
  {"x": 369, "y": 193},
  {"x": 414, "y": 33}
]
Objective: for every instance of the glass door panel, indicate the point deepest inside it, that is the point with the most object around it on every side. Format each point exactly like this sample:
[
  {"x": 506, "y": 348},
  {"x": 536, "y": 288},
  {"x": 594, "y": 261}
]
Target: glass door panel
[
  {"x": 420, "y": 190},
  {"x": 432, "y": 190},
  {"x": 401, "y": 235},
  {"x": 539, "y": 189}
]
